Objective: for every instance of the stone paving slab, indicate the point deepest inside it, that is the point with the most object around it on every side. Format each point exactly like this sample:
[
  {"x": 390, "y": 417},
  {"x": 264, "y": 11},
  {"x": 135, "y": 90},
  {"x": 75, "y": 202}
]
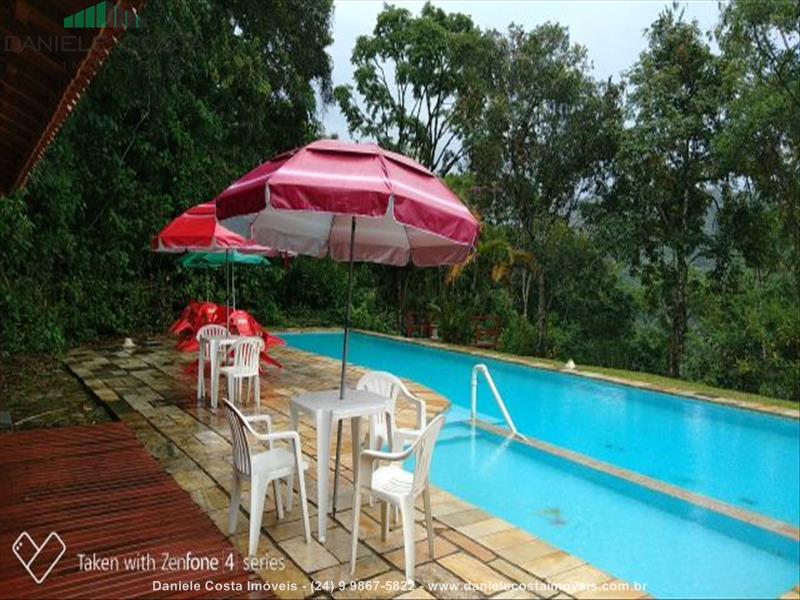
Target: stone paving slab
[{"x": 152, "y": 389}]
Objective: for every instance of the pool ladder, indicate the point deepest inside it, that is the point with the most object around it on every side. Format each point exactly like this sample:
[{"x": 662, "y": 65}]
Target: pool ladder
[{"x": 484, "y": 370}]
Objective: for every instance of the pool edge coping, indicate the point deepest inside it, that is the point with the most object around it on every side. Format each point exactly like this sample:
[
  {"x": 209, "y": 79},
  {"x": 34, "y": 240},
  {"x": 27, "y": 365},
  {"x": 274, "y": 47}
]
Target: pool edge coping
[{"x": 785, "y": 413}]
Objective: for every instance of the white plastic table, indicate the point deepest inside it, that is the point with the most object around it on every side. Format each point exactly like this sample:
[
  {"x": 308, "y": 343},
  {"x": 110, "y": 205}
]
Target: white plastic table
[
  {"x": 326, "y": 409},
  {"x": 215, "y": 344}
]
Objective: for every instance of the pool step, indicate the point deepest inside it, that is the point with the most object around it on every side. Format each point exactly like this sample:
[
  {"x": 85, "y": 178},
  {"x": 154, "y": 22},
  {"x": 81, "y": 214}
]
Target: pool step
[
  {"x": 459, "y": 415},
  {"x": 758, "y": 520}
]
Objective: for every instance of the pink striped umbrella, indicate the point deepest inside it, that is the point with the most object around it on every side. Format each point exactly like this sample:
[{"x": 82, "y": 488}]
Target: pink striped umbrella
[{"x": 354, "y": 202}]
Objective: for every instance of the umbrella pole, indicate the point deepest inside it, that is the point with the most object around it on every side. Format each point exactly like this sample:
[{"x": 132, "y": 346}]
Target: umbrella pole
[
  {"x": 227, "y": 294},
  {"x": 233, "y": 284},
  {"x": 344, "y": 363}
]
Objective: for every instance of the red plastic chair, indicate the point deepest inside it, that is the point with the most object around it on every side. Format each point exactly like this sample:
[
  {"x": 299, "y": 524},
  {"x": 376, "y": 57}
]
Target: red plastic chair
[
  {"x": 243, "y": 323},
  {"x": 184, "y": 322},
  {"x": 192, "y": 319}
]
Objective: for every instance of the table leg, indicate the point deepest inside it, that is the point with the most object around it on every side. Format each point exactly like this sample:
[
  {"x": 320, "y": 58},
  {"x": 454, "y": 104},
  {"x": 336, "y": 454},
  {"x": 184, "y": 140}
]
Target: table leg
[
  {"x": 201, "y": 371},
  {"x": 323, "y": 458},
  {"x": 213, "y": 357},
  {"x": 294, "y": 425},
  {"x": 355, "y": 428}
]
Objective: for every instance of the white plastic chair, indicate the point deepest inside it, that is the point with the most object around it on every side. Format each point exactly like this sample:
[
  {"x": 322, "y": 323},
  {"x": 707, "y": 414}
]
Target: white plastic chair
[
  {"x": 260, "y": 469},
  {"x": 389, "y": 386},
  {"x": 205, "y": 333},
  {"x": 395, "y": 486},
  {"x": 245, "y": 366}
]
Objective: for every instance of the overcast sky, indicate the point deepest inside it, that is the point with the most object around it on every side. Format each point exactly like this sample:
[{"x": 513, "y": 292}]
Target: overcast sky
[{"x": 611, "y": 30}]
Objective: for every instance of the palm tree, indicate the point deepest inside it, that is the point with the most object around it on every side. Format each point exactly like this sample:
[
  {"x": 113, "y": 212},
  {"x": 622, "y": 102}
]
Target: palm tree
[{"x": 497, "y": 254}]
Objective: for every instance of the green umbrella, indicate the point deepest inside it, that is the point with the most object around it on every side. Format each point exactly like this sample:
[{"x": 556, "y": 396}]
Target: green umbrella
[
  {"x": 214, "y": 260},
  {"x": 211, "y": 260}
]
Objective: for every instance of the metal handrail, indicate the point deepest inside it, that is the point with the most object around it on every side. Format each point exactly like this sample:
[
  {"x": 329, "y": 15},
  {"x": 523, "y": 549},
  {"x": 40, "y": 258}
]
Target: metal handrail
[{"x": 481, "y": 368}]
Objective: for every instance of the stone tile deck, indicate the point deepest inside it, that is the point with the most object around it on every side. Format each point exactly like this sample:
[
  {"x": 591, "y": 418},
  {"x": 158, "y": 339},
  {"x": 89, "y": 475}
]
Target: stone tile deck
[{"x": 475, "y": 554}]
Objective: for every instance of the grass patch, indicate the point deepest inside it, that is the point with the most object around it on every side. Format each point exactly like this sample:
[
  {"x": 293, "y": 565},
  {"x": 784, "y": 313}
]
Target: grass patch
[
  {"x": 38, "y": 391},
  {"x": 681, "y": 385}
]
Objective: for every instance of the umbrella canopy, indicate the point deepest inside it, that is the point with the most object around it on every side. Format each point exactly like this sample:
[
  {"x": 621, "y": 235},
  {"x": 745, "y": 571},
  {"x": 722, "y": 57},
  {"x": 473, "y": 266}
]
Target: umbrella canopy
[
  {"x": 304, "y": 201},
  {"x": 197, "y": 230},
  {"x": 213, "y": 260}
]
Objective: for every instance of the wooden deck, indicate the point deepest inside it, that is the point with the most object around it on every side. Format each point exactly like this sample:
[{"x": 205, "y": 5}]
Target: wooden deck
[{"x": 100, "y": 490}]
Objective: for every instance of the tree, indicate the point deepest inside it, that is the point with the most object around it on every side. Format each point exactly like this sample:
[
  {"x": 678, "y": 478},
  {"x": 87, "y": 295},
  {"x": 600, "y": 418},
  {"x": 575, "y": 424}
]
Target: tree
[
  {"x": 417, "y": 84},
  {"x": 759, "y": 146},
  {"x": 751, "y": 307},
  {"x": 496, "y": 258},
  {"x": 183, "y": 106},
  {"x": 761, "y": 137},
  {"x": 542, "y": 143},
  {"x": 664, "y": 173}
]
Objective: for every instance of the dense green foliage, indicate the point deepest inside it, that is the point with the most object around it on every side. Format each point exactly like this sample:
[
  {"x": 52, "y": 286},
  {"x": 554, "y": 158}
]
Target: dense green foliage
[
  {"x": 539, "y": 150},
  {"x": 650, "y": 224},
  {"x": 183, "y": 106}
]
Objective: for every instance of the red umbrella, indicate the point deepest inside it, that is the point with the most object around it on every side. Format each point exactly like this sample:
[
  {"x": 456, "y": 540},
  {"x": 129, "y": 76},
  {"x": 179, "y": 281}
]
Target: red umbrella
[
  {"x": 197, "y": 230},
  {"x": 355, "y": 202}
]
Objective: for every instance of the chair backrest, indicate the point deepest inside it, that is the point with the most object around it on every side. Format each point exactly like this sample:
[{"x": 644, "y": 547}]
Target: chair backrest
[
  {"x": 424, "y": 452},
  {"x": 246, "y": 356},
  {"x": 382, "y": 383},
  {"x": 243, "y": 323},
  {"x": 386, "y": 385},
  {"x": 210, "y": 331},
  {"x": 241, "y": 447}
]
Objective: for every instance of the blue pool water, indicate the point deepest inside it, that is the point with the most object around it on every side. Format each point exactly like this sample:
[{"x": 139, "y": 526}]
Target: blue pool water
[
  {"x": 678, "y": 550},
  {"x": 739, "y": 457}
]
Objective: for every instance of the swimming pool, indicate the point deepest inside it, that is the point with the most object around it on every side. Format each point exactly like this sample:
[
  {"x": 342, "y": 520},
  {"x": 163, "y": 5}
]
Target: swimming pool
[{"x": 745, "y": 459}]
